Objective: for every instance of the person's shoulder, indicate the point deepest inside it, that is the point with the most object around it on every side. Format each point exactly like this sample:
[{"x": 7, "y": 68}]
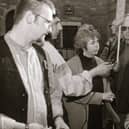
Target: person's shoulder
[
  {"x": 73, "y": 59},
  {"x": 53, "y": 53},
  {"x": 49, "y": 48}
]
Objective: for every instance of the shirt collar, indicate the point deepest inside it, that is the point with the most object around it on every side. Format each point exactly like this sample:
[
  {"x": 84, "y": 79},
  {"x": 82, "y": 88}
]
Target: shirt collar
[{"x": 13, "y": 43}]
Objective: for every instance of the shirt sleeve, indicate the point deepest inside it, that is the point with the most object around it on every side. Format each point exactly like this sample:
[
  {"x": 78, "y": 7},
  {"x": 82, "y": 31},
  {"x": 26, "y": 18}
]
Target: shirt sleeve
[
  {"x": 126, "y": 122},
  {"x": 6, "y": 122},
  {"x": 73, "y": 85},
  {"x": 56, "y": 99}
]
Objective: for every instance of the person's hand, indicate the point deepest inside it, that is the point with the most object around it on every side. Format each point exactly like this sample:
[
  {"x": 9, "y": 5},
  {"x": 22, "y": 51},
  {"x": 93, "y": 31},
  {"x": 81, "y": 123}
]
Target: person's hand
[
  {"x": 60, "y": 124},
  {"x": 9, "y": 123},
  {"x": 116, "y": 67},
  {"x": 108, "y": 96},
  {"x": 126, "y": 124},
  {"x": 102, "y": 69}
]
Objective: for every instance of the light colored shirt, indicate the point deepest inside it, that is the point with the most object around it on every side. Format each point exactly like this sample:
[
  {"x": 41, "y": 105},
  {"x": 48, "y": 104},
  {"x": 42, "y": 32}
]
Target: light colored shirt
[
  {"x": 30, "y": 71},
  {"x": 76, "y": 85}
]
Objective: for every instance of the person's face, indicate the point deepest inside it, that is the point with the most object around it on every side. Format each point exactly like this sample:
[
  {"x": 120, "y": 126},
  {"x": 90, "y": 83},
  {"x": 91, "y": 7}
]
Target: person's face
[
  {"x": 92, "y": 47},
  {"x": 43, "y": 20},
  {"x": 56, "y": 28},
  {"x": 113, "y": 29},
  {"x": 125, "y": 32}
]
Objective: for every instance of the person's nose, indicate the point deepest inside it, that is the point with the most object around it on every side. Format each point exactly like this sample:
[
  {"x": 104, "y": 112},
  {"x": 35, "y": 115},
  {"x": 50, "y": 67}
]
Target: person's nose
[
  {"x": 60, "y": 27},
  {"x": 50, "y": 29},
  {"x": 97, "y": 45}
]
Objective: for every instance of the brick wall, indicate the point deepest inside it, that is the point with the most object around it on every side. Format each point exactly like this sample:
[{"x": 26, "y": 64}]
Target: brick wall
[
  {"x": 5, "y": 7},
  {"x": 97, "y": 12}
]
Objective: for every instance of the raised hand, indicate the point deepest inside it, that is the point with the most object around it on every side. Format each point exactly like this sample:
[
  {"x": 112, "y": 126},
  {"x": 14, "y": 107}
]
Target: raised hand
[{"x": 102, "y": 69}]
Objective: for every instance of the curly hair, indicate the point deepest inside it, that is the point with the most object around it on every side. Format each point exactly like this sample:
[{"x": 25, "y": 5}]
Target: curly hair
[{"x": 84, "y": 33}]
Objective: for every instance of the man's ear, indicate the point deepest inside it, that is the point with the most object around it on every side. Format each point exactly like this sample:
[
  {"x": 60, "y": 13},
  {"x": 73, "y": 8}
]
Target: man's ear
[{"x": 30, "y": 17}]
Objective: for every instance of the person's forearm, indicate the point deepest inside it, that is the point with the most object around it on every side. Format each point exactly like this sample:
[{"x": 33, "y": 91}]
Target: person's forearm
[
  {"x": 93, "y": 72},
  {"x": 126, "y": 122},
  {"x": 56, "y": 100},
  {"x": 19, "y": 125},
  {"x": 6, "y": 122},
  {"x": 9, "y": 123},
  {"x": 76, "y": 85},
  {"x": 73, "y": 85}
]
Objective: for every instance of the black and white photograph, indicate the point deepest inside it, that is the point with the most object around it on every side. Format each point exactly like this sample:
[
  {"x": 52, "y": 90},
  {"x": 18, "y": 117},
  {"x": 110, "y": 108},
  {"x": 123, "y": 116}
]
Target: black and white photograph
[{"x": 64, "y": 64}]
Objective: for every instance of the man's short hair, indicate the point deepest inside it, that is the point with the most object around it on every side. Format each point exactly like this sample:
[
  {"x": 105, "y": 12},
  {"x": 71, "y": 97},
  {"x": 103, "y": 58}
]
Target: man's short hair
[
  {"x": 33, "y": 5},
  {"x": 84, "y": 33}
]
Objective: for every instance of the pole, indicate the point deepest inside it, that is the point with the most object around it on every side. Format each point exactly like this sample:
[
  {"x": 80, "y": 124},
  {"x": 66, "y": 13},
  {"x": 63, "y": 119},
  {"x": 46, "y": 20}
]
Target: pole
[{"x": 118, "y": 45}]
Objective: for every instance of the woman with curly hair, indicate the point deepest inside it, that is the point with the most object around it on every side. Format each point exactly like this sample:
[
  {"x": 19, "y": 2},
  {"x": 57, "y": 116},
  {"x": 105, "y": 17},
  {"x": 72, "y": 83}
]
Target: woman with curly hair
[{"x": 86, "y": 112}]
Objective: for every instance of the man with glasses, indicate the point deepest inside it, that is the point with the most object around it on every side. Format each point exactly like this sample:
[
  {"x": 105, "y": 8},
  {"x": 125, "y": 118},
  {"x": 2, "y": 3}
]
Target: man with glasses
[{"x": 24, "y": 91}]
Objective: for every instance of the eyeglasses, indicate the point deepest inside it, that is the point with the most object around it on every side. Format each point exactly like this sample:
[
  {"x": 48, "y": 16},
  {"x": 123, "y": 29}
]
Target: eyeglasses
[
  {"x": 45, "y": 19},
  {"x": 124, "y": 28}
]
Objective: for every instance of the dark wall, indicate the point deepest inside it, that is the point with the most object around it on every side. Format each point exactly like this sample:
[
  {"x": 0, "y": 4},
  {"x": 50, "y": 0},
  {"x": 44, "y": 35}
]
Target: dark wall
[{"x": 97, "y": 12}]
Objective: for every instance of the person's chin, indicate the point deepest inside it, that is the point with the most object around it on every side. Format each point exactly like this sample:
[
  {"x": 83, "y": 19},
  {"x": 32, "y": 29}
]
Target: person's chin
[{"x": 96, "y": 52}]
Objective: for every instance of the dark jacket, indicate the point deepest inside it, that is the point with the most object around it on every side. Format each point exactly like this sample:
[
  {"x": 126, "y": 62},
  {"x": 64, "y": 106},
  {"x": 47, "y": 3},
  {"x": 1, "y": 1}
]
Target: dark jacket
[{"x": 13, "y": 96}]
